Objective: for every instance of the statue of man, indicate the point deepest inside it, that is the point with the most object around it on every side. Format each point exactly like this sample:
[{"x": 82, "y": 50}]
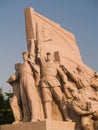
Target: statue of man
[
  {"x": 51, "y": 86},
  {"x": 84, "y": 86},
  {"x": 94, "y": 82},
  {"x": 16, "y": 99},
  {"x": 28, "y": 90},
  {"x": 88, "y": 94},
  {"x": 83, "y": 109}
]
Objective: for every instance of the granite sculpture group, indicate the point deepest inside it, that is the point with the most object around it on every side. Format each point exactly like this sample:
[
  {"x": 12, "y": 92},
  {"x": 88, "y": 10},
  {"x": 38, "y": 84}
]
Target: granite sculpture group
[{"x": 53, "y": 78}]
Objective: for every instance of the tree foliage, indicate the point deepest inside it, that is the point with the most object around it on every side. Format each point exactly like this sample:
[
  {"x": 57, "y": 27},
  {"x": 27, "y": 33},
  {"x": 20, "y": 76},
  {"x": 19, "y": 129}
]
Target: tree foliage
[{"x": 6, "y": 116}]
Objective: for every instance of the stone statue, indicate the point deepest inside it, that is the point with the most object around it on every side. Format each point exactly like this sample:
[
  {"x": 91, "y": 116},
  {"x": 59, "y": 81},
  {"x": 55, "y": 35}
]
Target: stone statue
[
  {"x": 69, "y": 83},
  {"x": 28, "y": 90},
  {"x": 79, "y": 79},
  {"x": 15, "y": 103},
  {"x": 83, "y": 109},
  {"x": 89, "y": 97},
  {"x": 43, "y": 82},
  {"x": 94, "y": 82},
  {"x": 50, "y": 86},
  {"x": 85, "y": 92}
]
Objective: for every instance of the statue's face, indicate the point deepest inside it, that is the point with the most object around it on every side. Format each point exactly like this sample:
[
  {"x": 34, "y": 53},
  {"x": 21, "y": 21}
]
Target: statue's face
[
  {"x": 32, "y": 57},
  {"x": 17, "y": 65},
  {"x": 25, "y": 57},
  {"x": 76, "y": 94},
  {"x": 49, "y": 57}
]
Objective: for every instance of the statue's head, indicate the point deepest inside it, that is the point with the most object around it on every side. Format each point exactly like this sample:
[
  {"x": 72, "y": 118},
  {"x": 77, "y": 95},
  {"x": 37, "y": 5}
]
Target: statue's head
[
  {"x": 75, "y": 93},
  {"x": 25, "y": 55},
  {"x": 17, "y": 65},
  {"x": 31, "y": 55},
  {"x": 79, "y": 68},
  {"x": 49, "y": 56}
]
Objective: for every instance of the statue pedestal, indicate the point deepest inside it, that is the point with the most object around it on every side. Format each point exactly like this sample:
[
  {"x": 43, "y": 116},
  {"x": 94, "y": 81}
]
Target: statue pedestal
[
  {"x": 96, "y": 125},
  {"x": 40, "y": 125}
]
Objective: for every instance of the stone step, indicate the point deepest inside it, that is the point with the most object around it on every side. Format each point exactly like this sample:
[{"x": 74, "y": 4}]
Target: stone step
[{"x": 40, "y": 125}]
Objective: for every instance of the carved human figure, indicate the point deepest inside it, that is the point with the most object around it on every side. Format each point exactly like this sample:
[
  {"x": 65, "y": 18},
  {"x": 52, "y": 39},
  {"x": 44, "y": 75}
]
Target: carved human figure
[
  {"x": 16, "y": 99},
  {"x": 89, "y": 95},
  {"x": 94, "y": 79},
  {"x": 35, "y": 67},
  {"x": 50, "y": 86},
  {"x": 85, "y": 89},
  {"x": 83, "y": 109},
  {"x": 68, "y": 84},
  {"x": 84, "y": 78},
  {"x": 79, "y": 78},
  {"x": 94, "y": 82},
  {"x": 28, "y": 90}
]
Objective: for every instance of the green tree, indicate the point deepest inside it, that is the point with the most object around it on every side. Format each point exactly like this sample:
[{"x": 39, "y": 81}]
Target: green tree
[{"x": 6, "y": 115}]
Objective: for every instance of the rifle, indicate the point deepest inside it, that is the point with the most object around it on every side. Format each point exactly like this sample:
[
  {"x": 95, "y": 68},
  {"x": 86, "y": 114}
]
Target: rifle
[{"x": 37, "y": 46}]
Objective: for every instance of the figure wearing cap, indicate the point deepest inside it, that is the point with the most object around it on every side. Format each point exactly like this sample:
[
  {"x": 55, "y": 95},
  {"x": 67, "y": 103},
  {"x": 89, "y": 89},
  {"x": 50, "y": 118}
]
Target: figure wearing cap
[
  {"x": 28, "y": 90},
  {"x": 51, "y": 86}
]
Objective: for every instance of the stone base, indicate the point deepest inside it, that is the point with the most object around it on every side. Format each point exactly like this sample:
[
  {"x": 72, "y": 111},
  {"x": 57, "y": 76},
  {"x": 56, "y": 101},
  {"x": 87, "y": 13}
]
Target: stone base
[
  {"x": 40, "y": 125},
  {"x": 96, "y": 125}
]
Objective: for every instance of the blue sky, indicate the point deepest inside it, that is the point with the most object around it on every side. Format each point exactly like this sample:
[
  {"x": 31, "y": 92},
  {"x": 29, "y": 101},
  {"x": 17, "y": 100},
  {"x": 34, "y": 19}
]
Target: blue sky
[{"x": 77, "y": 16}]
